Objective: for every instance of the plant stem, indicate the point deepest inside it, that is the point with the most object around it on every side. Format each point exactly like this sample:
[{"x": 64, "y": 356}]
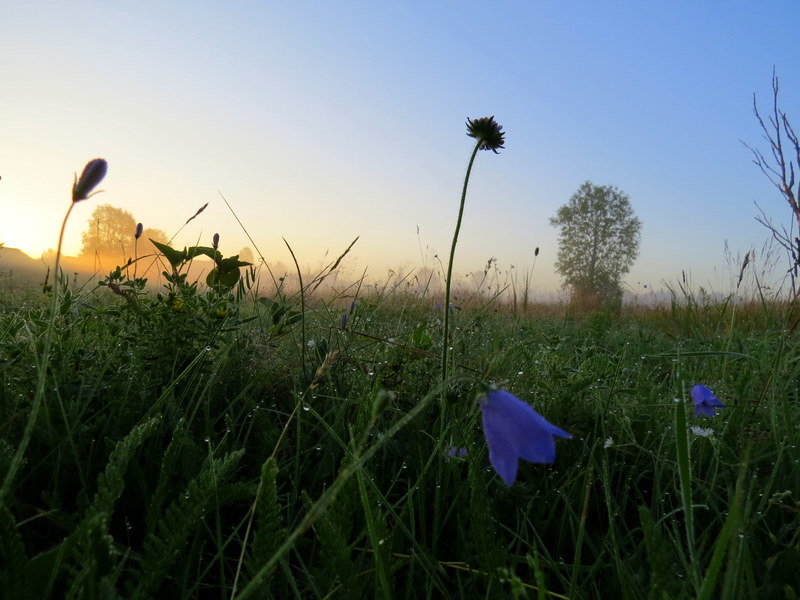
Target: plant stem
[
  {"x": 684, "y": 472},
  {"x": 42, "y": 375},
  {"x": 446, "y": 336}
]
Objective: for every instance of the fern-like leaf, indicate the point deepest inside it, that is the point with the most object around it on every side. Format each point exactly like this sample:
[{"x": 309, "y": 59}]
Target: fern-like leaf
[
  {"x": 182, "y": 518},
  {"x": 111, "y": 482},
  {"x": 336, "y": 553},
  {"x": 268, "y": 533},
  {"x": 166, "y": 475},
  {"x": 92, "y": 559}
]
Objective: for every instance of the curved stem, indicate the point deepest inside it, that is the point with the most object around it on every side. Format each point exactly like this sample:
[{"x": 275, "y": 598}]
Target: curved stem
[
  {"x": 38, "y": 398},
  {"x": 446, "y": 337}
]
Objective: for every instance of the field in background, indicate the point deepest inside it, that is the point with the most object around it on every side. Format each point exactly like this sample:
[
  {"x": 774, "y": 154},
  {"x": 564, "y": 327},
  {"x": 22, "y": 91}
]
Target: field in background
[{"x": 191, "y": 441}]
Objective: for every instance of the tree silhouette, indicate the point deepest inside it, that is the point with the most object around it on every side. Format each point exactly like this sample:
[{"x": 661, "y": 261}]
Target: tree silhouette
[
  {"x": 110, "y": 231},
  {"x": 246, "y": 255},
  {"x": 598, "y": 242},
  {"x": 146, "y": 246},
  {"x": 110, "y": 234}
]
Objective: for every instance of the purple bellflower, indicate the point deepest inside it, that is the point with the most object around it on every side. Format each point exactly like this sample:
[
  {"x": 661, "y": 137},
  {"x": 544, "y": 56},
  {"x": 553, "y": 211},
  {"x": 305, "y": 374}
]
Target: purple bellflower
[
  {"x": 513, "y": 430},
  {"x": 705, "y": 402}
]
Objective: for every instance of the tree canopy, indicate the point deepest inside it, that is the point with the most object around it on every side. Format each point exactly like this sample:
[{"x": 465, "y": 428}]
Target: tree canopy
[
  {"x": 598, "y": 242},
  {"x": 110, "y": 232}
]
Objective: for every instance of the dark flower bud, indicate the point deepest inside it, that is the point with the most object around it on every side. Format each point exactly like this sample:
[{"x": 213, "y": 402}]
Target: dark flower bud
[
  {"x": 488, "y": 132},
  {"x": 215, "y": 241},
  {"x": 344, "y": 320},
  {"x": 536, "y": 252},
  {"x": 93, "y": 173},
  {"x": 139, "y": 230}
]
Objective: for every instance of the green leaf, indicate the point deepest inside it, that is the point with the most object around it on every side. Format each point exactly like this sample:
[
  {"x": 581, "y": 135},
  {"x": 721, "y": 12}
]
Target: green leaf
[
  {"x": 421, "y": 338},
  {"x": 222, "y": 278},
  {"x": 193, "y": 251},
  {"x": 175, "y": 257},
  {"x": 231, "y": 264}
]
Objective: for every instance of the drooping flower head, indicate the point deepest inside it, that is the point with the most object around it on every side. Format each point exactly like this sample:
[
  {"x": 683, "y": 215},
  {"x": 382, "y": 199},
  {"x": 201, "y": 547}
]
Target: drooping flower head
[
  {"x": 488, "y": 132},
  {"x": 705, "y": 402},
  {"x": 513, "y": 430},
  {"x": 92, "y": 175}
]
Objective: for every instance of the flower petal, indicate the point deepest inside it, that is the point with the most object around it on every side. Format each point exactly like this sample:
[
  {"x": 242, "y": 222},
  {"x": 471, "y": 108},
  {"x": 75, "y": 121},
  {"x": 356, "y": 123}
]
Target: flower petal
[
  {"x": 705, "y": 401},
  {"x": 514, "y": 430}
]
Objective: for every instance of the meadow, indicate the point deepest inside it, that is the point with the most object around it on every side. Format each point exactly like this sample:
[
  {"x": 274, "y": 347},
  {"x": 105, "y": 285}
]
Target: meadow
[
  {"x": 211, "y": 442},
  {"x": 243, "y": 435}
]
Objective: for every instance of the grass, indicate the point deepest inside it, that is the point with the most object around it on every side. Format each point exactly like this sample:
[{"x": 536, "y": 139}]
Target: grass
[{"x": 209, "y": 443}]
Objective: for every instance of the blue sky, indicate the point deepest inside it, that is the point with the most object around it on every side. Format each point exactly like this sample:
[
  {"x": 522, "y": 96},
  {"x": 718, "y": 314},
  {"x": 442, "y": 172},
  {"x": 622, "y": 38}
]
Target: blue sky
[{"x": 324, "y": 122}]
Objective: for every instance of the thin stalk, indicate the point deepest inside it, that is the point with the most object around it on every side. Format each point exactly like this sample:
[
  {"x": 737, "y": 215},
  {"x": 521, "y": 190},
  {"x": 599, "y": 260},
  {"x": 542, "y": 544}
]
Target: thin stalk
[
  {"x": 302, "y": 312},
  {"x": 38, "y": 397},
  {"x": 448, "y": 280},
  {"x": 437, "y": 498},
  {"x": 684, "y": 474}
]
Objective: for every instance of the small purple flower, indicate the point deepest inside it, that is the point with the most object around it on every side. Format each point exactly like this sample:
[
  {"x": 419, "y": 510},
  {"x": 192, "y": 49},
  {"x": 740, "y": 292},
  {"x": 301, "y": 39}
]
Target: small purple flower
[
  {"x": 705, "y": 402},
  {"x": 139, "y": 231},
  {"x": 513, "y": 430},
  {"x": 455, "y": 452},
  {"x": 344, "y": 320}
]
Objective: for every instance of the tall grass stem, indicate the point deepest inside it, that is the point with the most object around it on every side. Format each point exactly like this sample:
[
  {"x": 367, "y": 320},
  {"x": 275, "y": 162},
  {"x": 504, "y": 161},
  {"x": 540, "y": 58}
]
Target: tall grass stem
[{"x": 44, "y": 361}]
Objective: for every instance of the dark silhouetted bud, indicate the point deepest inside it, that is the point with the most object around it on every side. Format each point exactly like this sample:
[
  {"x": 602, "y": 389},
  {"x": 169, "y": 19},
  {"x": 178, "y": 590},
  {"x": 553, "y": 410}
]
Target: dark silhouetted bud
[
  {"x": 92, "y": 175},
  {"x": 139, "y": 230},
  {"x": 215, "y": 241},
  {"x": 344, "y": 320},
  {"x": 536, "y": 252},
  {"x": 487, "y": 131}
]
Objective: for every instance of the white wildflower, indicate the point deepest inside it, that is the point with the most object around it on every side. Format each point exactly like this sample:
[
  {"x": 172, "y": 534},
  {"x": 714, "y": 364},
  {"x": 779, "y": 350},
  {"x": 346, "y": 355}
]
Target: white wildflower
[{"x": 702, "y": 432}]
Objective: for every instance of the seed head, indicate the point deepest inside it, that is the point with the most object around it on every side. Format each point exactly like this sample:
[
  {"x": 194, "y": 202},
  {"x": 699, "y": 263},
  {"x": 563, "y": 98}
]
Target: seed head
[{"x": 488, "y": 132}]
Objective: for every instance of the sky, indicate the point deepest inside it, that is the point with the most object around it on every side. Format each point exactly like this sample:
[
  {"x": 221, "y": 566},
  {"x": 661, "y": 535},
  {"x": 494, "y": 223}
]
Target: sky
[{"x": 320, "y": 122}]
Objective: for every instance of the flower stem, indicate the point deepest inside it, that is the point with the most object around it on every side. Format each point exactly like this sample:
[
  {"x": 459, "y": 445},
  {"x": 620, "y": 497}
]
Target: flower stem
[
  {"x": 38, "y": 398},
  {"x": 684, "y": 473},
  {"x": 448, "y": 280}
]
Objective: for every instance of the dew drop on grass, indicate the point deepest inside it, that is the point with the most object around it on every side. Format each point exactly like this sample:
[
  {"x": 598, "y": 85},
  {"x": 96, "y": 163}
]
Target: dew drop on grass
[{"x": 306, "y": 407}]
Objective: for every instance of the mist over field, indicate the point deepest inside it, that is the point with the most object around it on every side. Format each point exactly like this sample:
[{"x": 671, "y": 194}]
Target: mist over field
[{"x": 399, "y": 301}]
